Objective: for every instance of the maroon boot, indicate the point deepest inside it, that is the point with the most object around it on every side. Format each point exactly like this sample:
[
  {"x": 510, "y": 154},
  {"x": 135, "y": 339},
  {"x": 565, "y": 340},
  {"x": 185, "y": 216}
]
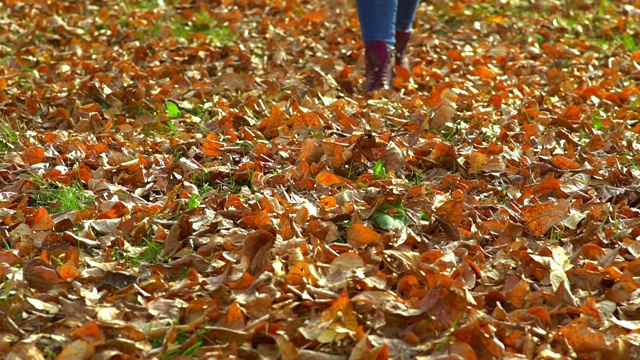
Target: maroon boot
[
  {"x": 379, "y": 69},
  {"x": 402, "y": 39}
]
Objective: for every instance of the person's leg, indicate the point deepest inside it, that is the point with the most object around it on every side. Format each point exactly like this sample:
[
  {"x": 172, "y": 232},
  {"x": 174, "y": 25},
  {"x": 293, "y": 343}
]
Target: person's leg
[
  {"x": 378, "y": 25},
  {"x": 406, "y": 14},
  {"x": 378, "y": 20},
  {"x": 404, "y": 21}
]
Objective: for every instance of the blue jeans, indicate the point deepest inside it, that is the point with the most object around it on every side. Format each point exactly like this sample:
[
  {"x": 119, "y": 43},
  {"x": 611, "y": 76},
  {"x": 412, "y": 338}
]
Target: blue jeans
[{"x": 380, "y": 19}]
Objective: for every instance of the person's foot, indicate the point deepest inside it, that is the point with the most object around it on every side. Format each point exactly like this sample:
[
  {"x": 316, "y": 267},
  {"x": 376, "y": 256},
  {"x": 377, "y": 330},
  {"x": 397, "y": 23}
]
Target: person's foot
[
  {"x": 379, "y": 70},
  {"x": 402, "y": 40}
]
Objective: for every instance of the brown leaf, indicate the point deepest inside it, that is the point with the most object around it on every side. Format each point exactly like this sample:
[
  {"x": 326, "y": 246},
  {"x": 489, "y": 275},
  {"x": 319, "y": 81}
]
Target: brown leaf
[
  {"x": 445, "y": 301},
  {"x": 40, "y": 220},
  {"x": 539, "y": 218},
  {"x": 40, "y": 275},
  {"x": 584, "y": 339},
  {"x": 564, "y": 163},
  {"x": 337, "y": 321},
  {"x": 77, "y": 350},
  {"x": 451, "y": 211},
  {"x": 256, "y": 251},
  {"x": 233, "y": 319}
]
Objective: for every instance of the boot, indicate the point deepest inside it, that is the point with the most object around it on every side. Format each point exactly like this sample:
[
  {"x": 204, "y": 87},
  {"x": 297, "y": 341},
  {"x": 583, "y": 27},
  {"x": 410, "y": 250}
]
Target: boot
[
  {"x": 379, "y": 69},
  {"x": 402, "y": 39}
]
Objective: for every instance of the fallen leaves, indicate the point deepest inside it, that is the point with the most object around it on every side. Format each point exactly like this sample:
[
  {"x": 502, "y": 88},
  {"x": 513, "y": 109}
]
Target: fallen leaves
[{"x": 205, "y": 180}]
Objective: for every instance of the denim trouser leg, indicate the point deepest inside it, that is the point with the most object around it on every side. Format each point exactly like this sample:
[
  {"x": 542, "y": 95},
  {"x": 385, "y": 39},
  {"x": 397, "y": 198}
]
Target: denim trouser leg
[
  {"x": 406, "y": 14},
  {"x": 378, "y": 20}
]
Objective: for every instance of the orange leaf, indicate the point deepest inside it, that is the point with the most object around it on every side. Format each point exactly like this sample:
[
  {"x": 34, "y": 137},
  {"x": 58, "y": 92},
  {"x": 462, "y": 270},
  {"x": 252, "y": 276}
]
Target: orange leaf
[
  {"x": 361, "y": 235},
  {"x": 444, "y": 154},
  {"x": 571, "y": 113},
  {"x": 444, "y": 301},
  {"x": 315, "y": 16},
  {"x": 541, "y": 313},
  {"x": 68, "y": 271},
  {"x": 234, "y": 319},
  {"x": 540, "y": 218},
  {"x": 89, "y": 333},
  {"x": 518, "y": 294},
  {"x": 212, "y": 148},
  {"x": 338, "y": 320},
  {"x": 33, "y": 155},
  {"x": 495, "y": 101},
  {"x": 306, "y": 121},
  {"x": 442, "y": 115},
  {"x": 403, "y": 74},
  {"x": 244, "y": 282},
  {"x": 41, "y": 220},
  {"x": 311, "y": 150},
  {"x": 327, "y": 179},
  {"x": 476, "y": 160},
  {"x": 584, "y": 339},
  {"x": 451, "y": 211},
  {"x": 564, "y": 163}
]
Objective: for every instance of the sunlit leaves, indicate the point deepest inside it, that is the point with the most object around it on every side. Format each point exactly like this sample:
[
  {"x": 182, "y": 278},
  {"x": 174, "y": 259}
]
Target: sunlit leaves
[{"x": 205, "y": 180}]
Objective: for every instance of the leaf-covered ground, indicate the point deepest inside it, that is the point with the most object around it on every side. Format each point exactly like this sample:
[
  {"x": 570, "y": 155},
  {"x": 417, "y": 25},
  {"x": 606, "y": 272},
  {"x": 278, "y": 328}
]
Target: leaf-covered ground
[{"x": 203, "y": 179}]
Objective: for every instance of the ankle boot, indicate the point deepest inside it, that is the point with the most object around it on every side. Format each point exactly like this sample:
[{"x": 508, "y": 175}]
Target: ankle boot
[
  {"x": 402, "y": 39},
  {"x": 379, "y": 69}
]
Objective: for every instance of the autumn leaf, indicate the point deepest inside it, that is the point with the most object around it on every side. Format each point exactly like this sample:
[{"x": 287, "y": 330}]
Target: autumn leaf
[
  {"x": 40, "y": 220},
  {"x": 338, "y": 321},
  {"x": 362, "y": 235},
  {"x": 539, "y": 218},
  {"x": 328, "y": 179},
  {"x": 40, "y": 275},
  {"x": 248, "y": 200}
]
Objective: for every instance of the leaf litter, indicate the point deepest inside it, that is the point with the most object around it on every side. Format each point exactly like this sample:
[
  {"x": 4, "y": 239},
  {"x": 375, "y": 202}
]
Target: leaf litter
[{"x": 238, "y": 196}]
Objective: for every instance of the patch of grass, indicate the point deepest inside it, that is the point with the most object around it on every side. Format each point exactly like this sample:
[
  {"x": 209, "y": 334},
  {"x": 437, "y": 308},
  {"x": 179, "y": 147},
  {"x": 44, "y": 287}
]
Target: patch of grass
[
  {"x": 10, "y": 133},
  {"x": 181, "y": 338},
  {"x": 201, "y": 180},
  {"x": 206, "y": 184},
  {"x": 596, "y": 120},
  {"x": 149, "y": 252},
  {"x": 58, "y": 198},
  {"x": 629, "y": 42},
  {"x": 201, "y": 23},
  {"x": 146, "y": 5}
]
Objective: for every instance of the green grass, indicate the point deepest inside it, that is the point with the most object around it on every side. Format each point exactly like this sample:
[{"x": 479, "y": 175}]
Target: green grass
[
  {"x": 58, "y": 198},
  {"x": 205, "y": 185},
  {"x": 149, "y": 252},
  {"x": 628, "y": 42},
  {"x": 202, "y": 23},
  {"x": 181, "y": 338},
  {"x": 10, "y": 133}
]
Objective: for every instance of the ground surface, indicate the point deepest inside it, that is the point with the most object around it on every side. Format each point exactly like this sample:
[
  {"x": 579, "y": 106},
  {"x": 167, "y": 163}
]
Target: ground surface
[{"x": 192, "y": 179}]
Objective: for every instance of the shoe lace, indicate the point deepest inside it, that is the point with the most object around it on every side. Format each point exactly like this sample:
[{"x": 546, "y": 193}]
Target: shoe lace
[{"x": 378, "y": 68}]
